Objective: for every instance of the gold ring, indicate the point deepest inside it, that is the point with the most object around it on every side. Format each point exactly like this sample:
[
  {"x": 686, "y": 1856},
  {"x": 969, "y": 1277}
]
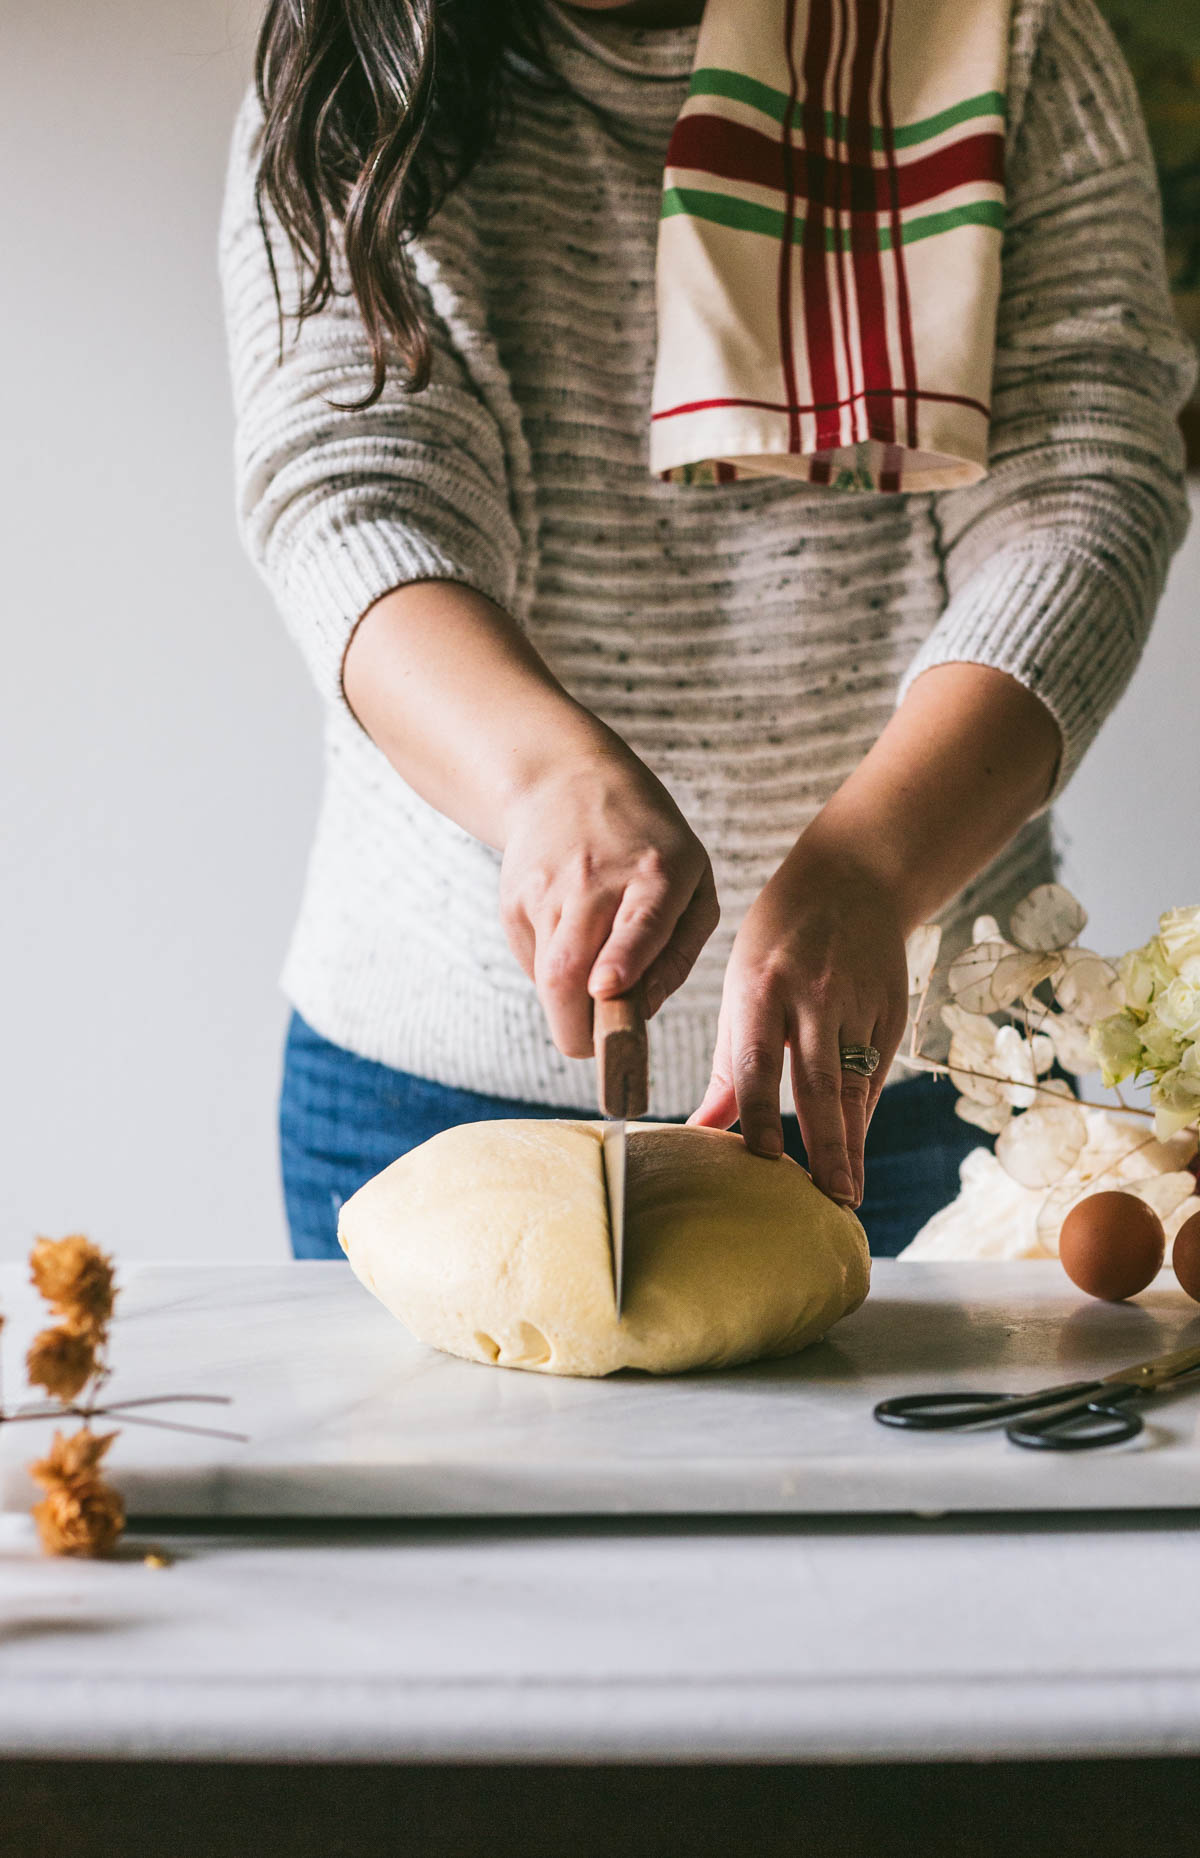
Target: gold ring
[{"x": 863, "y": 1060}]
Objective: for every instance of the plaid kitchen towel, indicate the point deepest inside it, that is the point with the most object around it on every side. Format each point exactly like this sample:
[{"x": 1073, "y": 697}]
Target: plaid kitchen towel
[{"x": 829, "y": 248}]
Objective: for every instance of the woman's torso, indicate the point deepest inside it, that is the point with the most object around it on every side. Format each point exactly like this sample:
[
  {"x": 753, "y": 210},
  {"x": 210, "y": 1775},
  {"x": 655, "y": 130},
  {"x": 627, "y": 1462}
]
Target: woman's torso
[{"x": 746, "y": 639}]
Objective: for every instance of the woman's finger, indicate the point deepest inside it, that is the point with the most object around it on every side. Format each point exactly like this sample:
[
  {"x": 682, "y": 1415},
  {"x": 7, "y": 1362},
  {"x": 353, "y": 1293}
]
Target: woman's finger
[
  {"x": 563, "y": 960},
  {"x": 817, "y": 1080},
  {"x": 645, "y": 922},
  {"x": 670, "y": 969},
  {"x": 856, "y": 1109},
  {"x": 758, "y": 1039},
  {"x": 522, "y": 939},
  {"x": 718, "y": 1108}
]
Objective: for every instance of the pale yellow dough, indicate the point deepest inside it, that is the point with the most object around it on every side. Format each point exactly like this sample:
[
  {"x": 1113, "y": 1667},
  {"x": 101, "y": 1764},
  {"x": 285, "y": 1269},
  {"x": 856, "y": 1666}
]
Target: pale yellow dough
[{"x": 491, "y": 1241}]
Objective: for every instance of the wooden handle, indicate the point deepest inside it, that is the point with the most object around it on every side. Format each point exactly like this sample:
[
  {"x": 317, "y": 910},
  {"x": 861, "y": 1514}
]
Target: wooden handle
[{"x": 622, "y": 1056}]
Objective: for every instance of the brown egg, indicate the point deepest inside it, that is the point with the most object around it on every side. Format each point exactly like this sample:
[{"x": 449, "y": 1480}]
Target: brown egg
[
  {"x": 1112, "y": 1245},
  {"x": 1185, "y": 1256}
]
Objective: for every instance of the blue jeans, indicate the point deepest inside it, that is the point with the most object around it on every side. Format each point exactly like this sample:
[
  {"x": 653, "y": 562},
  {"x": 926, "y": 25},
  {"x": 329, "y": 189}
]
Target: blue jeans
[{"x": 343, "y": 1118}]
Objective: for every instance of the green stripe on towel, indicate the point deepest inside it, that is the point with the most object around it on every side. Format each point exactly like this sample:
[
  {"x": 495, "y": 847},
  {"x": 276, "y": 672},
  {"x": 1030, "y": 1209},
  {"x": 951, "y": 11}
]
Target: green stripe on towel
[{"x": 713, "y": 82}]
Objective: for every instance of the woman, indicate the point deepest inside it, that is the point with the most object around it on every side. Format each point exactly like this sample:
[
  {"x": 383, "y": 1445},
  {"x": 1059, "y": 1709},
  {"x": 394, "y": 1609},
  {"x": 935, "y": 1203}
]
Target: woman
[{"x": 568, "y": 703}]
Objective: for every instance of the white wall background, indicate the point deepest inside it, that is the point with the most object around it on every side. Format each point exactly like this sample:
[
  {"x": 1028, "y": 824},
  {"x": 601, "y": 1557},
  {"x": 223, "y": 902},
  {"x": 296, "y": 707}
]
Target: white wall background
[{"x": 158, "y": 743}]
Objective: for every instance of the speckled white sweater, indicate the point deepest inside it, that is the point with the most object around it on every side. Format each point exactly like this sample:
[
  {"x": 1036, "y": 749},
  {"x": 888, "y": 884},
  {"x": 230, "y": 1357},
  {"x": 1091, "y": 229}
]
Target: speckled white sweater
[{"x": 748, "y": 640}]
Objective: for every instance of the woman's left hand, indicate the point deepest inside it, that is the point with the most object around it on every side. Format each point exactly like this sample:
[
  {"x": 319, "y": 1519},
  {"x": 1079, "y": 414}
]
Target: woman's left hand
[{"x": 818, "y": 963}]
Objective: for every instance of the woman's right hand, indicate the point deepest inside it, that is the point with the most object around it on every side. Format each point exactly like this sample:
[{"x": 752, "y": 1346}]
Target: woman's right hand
[
  {"x": 603, "y": 885},
  {"x": 603, "y": 882}
]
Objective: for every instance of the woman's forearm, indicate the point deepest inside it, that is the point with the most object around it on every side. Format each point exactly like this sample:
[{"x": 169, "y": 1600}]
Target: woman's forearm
[
  {"x": 819, "y": 960},
  {"x": 451, "y": 690},
  {"x": 603, "y": 884},
  {"x": 965, "y": 760}
]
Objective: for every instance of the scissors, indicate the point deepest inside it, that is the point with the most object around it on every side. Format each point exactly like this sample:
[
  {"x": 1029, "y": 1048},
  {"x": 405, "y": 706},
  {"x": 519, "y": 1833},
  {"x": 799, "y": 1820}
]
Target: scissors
[{"x": 1080, "y": 1415}]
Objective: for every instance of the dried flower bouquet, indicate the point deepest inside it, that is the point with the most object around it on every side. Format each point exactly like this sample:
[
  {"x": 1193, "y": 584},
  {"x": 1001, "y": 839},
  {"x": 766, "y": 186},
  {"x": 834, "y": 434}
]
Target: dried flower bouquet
[
  {"x": 81, "y": 1513},
  {"x": 1024, "y": 1005}
]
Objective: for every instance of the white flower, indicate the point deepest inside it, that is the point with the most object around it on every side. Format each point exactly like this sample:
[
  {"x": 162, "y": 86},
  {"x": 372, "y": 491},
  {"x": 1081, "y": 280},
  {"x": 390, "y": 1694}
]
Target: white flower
[
  {"x": 1117, "y": 1043},
  {"x": 1179, "y": 1007},
  {"x": 1143, "y": 971},
  {"x": 1176, "y": 1100},
  {"x": 1162, "y": 1046},
  {"x": 1179, "y": 933}
]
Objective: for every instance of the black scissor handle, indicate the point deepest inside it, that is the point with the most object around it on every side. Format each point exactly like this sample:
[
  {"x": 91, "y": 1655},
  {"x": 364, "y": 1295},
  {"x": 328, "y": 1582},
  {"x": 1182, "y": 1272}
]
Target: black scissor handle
[
  {"x": 945, "y": 1412},
  {"x": 1083, "y": 1426}
]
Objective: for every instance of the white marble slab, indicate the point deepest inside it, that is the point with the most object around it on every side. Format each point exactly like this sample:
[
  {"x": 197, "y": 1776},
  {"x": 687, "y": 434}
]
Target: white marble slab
[
  {"x": 614, "y": 1640},
  {"x": 347, "y": 1416}
]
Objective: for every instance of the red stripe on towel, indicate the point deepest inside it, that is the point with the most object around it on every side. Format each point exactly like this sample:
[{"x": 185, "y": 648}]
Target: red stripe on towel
[
  {"x": 864, "y": 235},
  {"x": 903, "y": 306},
  {"x": 734, "y": 152},
  {"x": 818, "y": 318},
  {"x": 780, "y": 406}
]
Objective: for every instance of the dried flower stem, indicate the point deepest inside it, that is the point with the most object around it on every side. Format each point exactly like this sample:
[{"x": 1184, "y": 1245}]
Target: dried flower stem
[
  {"x": 919, "y": 1061},
  {"x": 119, "y": 1410}
]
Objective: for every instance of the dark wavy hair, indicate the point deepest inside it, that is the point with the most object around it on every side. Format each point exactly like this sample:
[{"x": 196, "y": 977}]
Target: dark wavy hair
[{"x": 373, "y": 110}]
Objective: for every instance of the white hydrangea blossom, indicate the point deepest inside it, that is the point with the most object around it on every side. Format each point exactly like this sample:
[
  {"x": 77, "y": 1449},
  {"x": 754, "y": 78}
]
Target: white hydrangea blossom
[{"x": 1155, "y": 1033}]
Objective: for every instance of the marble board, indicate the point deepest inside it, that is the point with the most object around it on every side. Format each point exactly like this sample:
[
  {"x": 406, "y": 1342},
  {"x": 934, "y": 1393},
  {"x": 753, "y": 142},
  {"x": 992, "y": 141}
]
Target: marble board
[{"x": 345, "y": 1415}]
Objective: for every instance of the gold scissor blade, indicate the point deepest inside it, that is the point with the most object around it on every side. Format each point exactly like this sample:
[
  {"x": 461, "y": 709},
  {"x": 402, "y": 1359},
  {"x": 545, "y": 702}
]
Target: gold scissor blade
[{"x": 1158, "y": 1372}]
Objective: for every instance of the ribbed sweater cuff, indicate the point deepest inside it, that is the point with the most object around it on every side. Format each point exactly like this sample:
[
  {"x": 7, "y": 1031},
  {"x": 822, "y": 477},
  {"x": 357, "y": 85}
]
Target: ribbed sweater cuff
[
  {"x": 331, "y": 583},
  {"x": 1050, "y": 616}
]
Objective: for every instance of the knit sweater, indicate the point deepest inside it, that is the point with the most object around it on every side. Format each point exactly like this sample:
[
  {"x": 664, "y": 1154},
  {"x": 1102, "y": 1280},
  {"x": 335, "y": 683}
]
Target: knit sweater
[{"x": 748, "y": 640}]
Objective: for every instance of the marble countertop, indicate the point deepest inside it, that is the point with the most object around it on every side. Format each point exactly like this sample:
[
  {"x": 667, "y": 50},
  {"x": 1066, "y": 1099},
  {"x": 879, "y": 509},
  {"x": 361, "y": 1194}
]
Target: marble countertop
[
  {"x": 610, "y": 1641},
  {"x": 623, "y": 1638},
  {"x": 345, "y": 1415}
]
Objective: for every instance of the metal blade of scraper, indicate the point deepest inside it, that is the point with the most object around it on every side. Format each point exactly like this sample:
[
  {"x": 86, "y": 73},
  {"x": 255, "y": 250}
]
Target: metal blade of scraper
[
  {"x": 613, "y": 1146},
  {"x": 623, "y": 1088}
]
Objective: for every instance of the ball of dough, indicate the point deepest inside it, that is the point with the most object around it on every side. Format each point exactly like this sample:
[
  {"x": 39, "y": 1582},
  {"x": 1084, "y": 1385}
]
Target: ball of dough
[{"x": 491, "y": 1241}]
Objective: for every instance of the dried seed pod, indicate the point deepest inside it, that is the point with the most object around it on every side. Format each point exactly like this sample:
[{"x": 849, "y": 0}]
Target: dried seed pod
[
  {"x": 1019, "y": 973},
  {"x": 969, "y": 1063},
  {"x": 990, "y": 1116},
  {"x": 1048, "y": 918},
  {"x": 1162, "y": 1193},
  {"x": 1087, "y": 985},
  {"x": 971, "y": 980},
  {"x": 1041, "y": 1146},
  {"x": 921, "y": 950}
]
